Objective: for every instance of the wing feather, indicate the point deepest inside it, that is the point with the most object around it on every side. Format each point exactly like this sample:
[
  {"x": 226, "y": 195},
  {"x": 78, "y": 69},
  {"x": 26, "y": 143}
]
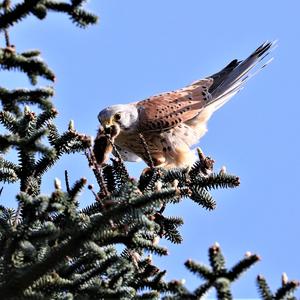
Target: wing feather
[{"x": 165, "y": 111}]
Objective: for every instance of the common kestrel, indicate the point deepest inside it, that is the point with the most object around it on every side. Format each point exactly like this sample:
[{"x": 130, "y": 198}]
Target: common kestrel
[{"x": 171, "y": 123}]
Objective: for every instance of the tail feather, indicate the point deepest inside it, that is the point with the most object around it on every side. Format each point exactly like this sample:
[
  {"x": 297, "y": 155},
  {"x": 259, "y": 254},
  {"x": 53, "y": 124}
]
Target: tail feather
[{"x": 232, "y": 78}]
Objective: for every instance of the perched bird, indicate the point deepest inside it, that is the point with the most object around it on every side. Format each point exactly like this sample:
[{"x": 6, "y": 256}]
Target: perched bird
[{"x": 171, "y": 123}]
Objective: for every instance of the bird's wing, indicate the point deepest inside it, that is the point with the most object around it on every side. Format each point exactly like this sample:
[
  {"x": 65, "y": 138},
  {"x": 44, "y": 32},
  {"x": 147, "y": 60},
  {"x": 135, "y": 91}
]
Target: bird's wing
[{"x": 165, "y": 111}]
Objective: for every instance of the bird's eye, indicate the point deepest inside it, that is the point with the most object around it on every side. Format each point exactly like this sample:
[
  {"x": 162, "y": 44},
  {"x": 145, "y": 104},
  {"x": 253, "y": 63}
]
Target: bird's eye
[{"x": 117, "y": 117}]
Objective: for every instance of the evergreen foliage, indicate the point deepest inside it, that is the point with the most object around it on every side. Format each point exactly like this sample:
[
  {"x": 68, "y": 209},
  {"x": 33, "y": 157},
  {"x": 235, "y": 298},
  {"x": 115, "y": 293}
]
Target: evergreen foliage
[
  {"x": 52, "y": 249},
  {"x": 286, "y": 291}
]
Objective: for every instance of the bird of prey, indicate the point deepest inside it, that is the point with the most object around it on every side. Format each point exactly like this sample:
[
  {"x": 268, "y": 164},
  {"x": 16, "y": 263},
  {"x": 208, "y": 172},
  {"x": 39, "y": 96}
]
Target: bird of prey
[{"x": 171, "y": 123}]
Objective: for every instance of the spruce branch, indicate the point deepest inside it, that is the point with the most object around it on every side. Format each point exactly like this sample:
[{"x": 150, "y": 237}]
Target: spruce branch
[
  {"x": 202, "y": 197},
  {"x": 180, "y": 174},
  {"x": 223, "y": 289},
  {"x": 235, "y": 272},
  {"x": 39, "y": 11},
  {"x": 216, "y": 259},
  {"x": 217, "y": 275},
  {"x": 203, "y": 166},
  {"x": 285, "y": 292},
  {"x": 149, "y": 246},
  {"x": 78, "y": 2},
  {"x": 202, "y": 290},
  {"x": 5, "y": 164},
  {"x": 69, "y": 142},
  {"x": 31, "y": 53},
  {"x": 100, "y": 268},
  {"x": 168, "y": 227},
  {"x": 263, "y": 288},
  {"x": 39, "y": 8},
  {"x": 79, "y": 16},
  {"x": 9, "y": 121},
  {"x": 177, "y": 288},
  {"x": 149, "y": 179},
  {"x": 215, "y": 181},
  {"x": 109, "y": 178},
  {"x": 193, "y": 183},
  {"x": 8, "y": 165},
  {"x": 32, "y": 66},
  {"x": 11, "y": 99},
  {"x": 8, "y": 175},
  {"x": 15, "y": 282},
  {"x": 6, "y": 141},
  {"x": 17, "y": 13},
  {"x": 27, "y": 133},
  {"x": 120, "y": 171},
  {"x": 45, "y": 117},
  {"x": 77, "y": 187}
]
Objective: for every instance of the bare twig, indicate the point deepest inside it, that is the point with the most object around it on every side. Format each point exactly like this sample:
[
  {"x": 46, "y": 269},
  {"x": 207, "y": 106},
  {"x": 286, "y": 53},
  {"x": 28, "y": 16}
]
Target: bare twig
[
  {"x": 98, "y": 199},
  {"x": 117, "y": 153},
  {"x": 67, "y": 181},
  {"x": 146, "y": 148},
  {"x": 97, "y": 171},
  {"x": 6, "y": 35},
  {"x": 6, "y": 5},
  {"x": 162, "y": 209}
]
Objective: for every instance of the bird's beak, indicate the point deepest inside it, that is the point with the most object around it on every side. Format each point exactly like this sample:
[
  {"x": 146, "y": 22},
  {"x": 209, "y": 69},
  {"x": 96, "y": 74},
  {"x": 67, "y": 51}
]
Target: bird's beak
[
  {"x": 110, "y": 127},
  {"x": 107, "y": 123}
]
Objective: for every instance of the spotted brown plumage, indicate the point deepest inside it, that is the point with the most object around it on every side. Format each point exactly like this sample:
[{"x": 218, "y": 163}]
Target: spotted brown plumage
[
  {"x": 171, "y": 123},
  {"x": 170, "y": 109}
]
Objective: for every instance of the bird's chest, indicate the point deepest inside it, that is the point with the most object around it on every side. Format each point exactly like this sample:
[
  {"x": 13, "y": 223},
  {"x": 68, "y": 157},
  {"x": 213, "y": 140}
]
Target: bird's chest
[{"x": 128, "y": 140}]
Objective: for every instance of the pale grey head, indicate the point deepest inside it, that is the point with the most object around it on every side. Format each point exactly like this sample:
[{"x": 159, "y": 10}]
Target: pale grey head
[{"x": 124, "y": 115}]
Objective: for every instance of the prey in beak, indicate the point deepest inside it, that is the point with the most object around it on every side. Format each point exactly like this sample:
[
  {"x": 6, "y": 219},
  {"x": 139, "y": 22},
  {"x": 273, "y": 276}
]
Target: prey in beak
[{"x": 104, "y": 140}]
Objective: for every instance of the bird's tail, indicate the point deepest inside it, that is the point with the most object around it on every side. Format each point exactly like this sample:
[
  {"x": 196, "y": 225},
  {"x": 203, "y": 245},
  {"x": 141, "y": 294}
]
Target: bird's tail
[{"x": 232, "y": 78}]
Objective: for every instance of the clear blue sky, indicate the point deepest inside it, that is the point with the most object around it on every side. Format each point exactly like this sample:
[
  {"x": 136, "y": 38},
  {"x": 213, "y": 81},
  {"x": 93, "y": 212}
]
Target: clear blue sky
[{"x": 141, "y": 48}]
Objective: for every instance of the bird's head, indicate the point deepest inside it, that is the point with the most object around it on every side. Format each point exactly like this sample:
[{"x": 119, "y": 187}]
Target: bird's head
[{"x": 122, "y": 115}]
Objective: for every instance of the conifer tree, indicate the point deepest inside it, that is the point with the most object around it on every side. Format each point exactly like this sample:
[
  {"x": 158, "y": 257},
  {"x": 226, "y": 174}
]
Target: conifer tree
[{"x": 52, "y": 249}]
